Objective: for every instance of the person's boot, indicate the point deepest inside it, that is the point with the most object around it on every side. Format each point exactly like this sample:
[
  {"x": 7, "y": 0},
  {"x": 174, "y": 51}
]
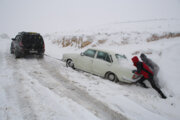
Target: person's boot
[
  {"x": 143, "y": 85},
  {"x": 163, "y": 96}
]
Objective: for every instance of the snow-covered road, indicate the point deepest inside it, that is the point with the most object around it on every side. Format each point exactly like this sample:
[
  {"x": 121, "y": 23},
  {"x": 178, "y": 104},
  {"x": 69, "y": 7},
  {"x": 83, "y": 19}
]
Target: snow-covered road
[
  {"x": 31, "y": 83},
  {"x": 24, "y": 96}
]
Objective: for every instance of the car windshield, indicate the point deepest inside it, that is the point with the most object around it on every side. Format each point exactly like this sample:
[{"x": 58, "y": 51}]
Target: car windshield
[{"x": 90, "y": 53}]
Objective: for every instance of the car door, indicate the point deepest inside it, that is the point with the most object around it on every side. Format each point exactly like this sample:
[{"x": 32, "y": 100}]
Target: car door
[
  {"x": 102, "y": 63},
  {"x": 85, "y": 61}
]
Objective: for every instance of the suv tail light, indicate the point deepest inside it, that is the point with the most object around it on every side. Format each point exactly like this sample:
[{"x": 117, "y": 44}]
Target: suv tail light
[
  {"x": 20, "y": 44},
  {"x": 44, "y": 46}
]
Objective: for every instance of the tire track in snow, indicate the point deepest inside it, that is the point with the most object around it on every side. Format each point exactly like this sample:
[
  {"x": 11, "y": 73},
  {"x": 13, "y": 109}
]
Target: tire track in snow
[
  {"x": 98, "y": 108},
  {"x": 3, "y": 107},
  {"x": 23, "y": 99}
]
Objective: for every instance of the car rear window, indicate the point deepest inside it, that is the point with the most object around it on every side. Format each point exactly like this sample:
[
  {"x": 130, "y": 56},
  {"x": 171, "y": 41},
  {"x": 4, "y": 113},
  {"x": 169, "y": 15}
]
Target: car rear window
[{"x": 120, "y": 57}]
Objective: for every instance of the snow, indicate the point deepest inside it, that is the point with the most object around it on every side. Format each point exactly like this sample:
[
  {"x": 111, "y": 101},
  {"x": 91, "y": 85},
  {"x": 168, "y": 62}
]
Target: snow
[
  {"x": 132, "y": 101},
  {"x": 23, "y": 97},
  {"x": 146, "y": 103},
  {"x": 170, "y": 62},
  {"x": 45, "y": 89}
]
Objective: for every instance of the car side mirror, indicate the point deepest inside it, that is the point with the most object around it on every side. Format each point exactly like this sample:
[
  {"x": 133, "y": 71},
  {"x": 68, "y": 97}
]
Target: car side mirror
[
  {"x": 82, "y": 54},
  {"x": 13, "y": 39}
]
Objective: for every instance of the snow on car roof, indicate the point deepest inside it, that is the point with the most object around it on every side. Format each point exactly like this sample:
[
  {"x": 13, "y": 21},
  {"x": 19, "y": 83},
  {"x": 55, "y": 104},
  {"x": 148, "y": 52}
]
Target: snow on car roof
[{"x": 104, "y": 50}]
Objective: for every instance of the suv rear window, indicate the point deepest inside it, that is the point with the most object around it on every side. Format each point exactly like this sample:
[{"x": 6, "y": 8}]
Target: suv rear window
[{"x": 31, "y": 39}]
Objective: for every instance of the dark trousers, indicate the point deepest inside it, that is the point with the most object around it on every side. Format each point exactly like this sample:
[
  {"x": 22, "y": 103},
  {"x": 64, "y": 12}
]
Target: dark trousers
[{"x": 152, "y": 84}]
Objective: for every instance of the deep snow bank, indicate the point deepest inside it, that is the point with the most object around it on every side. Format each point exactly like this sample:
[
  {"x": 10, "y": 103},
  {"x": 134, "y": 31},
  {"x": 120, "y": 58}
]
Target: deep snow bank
[{"x": 170, "y": 64}]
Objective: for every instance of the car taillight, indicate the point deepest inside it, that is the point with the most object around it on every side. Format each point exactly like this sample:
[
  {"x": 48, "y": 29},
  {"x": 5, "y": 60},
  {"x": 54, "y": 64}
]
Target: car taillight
[
  {"x": 44, "y": 46},
  {"x": 20, "y": 44}
]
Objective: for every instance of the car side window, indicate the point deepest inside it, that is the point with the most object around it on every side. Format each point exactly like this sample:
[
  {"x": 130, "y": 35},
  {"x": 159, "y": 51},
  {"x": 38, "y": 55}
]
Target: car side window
[
  {"x": 90, "y": 53},
  {"x": 104, "y": 56}
]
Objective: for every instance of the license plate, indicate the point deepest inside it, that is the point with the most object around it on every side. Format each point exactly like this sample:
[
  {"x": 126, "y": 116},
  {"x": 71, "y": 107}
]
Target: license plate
[{"x": 33, "y": 51}]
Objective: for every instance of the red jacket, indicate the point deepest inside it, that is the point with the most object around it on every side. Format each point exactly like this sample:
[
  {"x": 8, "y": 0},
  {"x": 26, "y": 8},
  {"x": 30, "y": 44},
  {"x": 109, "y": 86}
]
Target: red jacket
[{"x": 142, "y": 68}]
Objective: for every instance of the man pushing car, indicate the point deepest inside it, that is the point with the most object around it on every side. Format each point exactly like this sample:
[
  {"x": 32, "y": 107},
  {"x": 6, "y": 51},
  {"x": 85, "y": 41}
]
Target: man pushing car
[
  {"x": 153, "y": 66},
  {"x": 147, "y": 74}
]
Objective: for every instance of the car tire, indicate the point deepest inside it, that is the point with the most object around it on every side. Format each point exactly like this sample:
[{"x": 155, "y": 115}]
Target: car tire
[
  {"x": 11, "y": 49},
  {"x": 17, "y": 54},
  {"x": 69, "y": 63},
  {"x": 41, "y": 56},
  {"x": 111, "y": 77}
]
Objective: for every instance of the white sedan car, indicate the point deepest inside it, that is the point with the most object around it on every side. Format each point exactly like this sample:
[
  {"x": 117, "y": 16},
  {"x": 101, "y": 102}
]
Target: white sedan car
[{"x": 110, "y": 65}]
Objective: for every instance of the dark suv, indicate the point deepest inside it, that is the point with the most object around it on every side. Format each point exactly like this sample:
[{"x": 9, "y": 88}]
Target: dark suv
[{"x": 26, "y": 43}]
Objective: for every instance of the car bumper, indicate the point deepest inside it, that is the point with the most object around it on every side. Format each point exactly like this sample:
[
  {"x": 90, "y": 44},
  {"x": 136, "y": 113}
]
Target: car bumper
[{"x": 32, "y": 51}]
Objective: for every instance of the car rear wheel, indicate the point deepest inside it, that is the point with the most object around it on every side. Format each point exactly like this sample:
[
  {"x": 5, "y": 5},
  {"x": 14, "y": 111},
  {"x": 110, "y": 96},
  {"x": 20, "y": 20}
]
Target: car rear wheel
[
  {"x": 17, "y": 54},
  {"x": 69, "y": 63},
  {"x": 41, "y": 56},
  {"x": 111, "y": 77},
  {"x": 12, "y": 49}
]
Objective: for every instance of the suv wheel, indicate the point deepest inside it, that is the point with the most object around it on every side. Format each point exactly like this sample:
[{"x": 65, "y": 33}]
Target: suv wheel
[
  {"x": 17, "y": 54},
  {"x": 41, "y": 56},
  {"x": 11, "y": 49}
]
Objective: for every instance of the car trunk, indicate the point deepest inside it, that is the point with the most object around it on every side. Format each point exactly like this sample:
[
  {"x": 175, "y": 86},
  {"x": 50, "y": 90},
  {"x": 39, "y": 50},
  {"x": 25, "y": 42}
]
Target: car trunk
[{"x": 33, "y": 42}]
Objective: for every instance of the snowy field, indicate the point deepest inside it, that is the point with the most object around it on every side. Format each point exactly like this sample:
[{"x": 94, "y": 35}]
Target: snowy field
[{"x": 45, "y": 89}]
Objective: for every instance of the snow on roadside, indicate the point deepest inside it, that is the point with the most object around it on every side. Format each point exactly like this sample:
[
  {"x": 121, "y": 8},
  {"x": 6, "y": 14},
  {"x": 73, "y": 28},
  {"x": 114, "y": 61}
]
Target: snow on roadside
[{"x": 170, "y": 64}]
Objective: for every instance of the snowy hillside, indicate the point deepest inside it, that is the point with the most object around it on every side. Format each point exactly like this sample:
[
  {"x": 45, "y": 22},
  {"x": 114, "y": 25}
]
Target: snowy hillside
[
  {"x": 117, "y": 34},
  {"x": 47, "y": 90}
]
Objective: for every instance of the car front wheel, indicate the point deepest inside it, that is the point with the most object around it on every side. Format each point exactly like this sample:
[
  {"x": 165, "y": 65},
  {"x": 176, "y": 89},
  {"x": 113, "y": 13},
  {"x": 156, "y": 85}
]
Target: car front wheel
[{"x": 69, "y": 63}]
